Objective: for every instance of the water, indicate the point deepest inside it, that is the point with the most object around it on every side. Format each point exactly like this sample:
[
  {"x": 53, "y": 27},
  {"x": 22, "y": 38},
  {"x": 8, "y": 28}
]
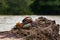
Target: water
[{"x": 8, "y": 22}]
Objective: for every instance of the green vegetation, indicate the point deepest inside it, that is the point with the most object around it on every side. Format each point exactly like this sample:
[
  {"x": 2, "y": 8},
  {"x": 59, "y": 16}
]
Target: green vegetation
[
  {"x": 29, "y": 7},
  {"x": 15, "y": 7},
  {"x": 46, "y": 7}
]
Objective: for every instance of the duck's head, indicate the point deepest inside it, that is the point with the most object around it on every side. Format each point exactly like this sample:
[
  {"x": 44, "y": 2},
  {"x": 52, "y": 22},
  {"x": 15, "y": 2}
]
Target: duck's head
[{"x": 28, "y": 19}]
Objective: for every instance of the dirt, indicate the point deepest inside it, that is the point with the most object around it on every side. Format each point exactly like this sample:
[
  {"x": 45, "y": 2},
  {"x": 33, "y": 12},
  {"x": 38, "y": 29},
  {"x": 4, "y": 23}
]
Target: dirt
[{"x": 42, "y": 29}]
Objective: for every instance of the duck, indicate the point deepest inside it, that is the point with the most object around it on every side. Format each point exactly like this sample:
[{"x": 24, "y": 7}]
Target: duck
[{"x": 26, "y": 23}]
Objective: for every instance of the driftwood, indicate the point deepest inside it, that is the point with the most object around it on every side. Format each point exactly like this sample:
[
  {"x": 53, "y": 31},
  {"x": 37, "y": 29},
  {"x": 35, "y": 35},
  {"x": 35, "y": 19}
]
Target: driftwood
[{"x": 43, "y": 29}]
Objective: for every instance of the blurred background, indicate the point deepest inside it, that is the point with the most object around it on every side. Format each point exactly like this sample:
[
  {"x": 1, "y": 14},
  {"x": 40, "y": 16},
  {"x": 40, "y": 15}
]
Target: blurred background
[{"x": 29, "y": 7}]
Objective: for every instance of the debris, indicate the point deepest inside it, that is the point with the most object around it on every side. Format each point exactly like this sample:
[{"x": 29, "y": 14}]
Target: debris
[{"x": 44, "y": 30}]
